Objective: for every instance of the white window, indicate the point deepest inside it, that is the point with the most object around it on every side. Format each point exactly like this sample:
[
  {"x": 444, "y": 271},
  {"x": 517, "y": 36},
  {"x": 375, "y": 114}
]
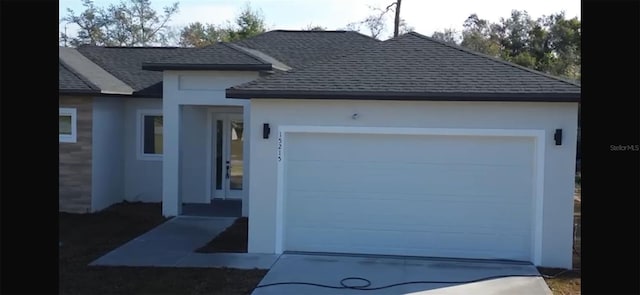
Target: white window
[
  {"x": 67, "y": 131},
  {"x": 150, "y": 135}
]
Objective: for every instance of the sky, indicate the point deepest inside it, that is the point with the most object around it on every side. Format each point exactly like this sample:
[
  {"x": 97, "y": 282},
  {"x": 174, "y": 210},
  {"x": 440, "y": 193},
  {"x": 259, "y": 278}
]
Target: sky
[{"x": 423, "y": 15}]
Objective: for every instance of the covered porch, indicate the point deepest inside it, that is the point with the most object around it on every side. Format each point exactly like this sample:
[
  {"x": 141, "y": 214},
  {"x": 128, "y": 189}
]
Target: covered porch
[{"x": 206, "y": 145}]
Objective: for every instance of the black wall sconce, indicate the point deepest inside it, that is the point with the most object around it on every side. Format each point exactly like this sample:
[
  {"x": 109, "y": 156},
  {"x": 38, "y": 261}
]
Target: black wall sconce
[
  {"x": 265, "y": 130},
  {"x": 558, "y": 136}
]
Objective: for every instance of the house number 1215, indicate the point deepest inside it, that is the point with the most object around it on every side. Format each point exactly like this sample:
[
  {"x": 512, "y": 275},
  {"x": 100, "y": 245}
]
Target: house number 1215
[{"x": 279, "y": 146}]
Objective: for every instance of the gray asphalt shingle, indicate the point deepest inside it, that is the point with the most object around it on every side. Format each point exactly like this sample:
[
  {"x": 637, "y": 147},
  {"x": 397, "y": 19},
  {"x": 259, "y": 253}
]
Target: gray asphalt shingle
[
  {"x": 300, "y": 48},
  {"x": 125, "y": 63},
  {"x": 219, "y": 55},
  {"x": 411, "y": 66},
  {"x": 71, "y": 82}
]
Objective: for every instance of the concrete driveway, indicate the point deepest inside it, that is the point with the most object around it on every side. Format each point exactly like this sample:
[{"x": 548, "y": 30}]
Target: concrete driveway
[{"x": 329, "y": 270}]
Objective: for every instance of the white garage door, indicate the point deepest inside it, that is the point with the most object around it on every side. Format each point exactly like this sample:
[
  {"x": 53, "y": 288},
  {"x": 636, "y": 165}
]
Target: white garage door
[{"x": 422, "y": 195}]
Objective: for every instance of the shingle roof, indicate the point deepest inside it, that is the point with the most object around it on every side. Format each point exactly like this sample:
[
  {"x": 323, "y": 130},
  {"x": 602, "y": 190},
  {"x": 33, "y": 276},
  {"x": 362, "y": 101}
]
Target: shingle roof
[
  {"x": 125, "y": 63},
  {"x": 299, "y": 48},
  {"x": 70, "y": 82},
  {"x": 410, "y": 67},
  {"x": 219, "y": 56}
]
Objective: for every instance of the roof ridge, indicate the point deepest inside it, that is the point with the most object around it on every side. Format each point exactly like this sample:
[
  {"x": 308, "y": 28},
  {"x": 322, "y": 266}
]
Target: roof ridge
[
  {"x": 265, "y": 58},
  {"x": 458, "y": 47},
  {"x": 307, "y": 66},
  {"x": 308, "y": 31},
  {"x": 229, "y": 45},
  {"x": 363, "y": 35},
  {"x": 78, "y": 75},
  {"x": 106, "y": 81},
  {"x": 135, "y": 47}
]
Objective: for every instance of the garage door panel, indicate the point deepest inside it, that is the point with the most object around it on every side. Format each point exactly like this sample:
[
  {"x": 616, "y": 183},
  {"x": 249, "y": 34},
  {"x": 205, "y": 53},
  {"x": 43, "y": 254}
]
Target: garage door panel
[
  {"x": 402, "y": 148},
  {"x": 449, "y": 196},
  {"x": 417, "y": 178},
  {"x": 393, "y": 215},
  {"x": 417, "y": 243},
  {"x": 474, "y": 198}
]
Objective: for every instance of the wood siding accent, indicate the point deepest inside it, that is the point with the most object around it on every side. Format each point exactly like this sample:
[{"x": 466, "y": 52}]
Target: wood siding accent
[{"x": 75, "y": 159}]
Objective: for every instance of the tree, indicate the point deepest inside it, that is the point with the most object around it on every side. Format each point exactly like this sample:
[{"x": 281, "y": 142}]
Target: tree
[
  {"x": 200, "y": 35},
  {"x": 564, "y": 37},
  {"x": 311, "y": 27},
  {"x": 92, "y": 23},
  {"x": 448, "y": 36},
  {"x": 479, "y": 35},
  {"x": 376, "y": 22},
  {"x": 136, "y": 23},
  {"x": 550, "y": 44},
  {"x": 396, "y": 21},
  {"x": 128, "y": 23},
  {"x": 248, "y": 23}
]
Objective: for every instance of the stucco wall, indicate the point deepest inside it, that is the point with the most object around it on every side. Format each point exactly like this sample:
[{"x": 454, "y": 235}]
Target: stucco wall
[
  {"x": 142, "y": 177},
  {"x": 559, "y": 160},
  {"x": 108, "y": 152},
  {"x": 194, "y": 154},
  {"x": 75, "y": 161}
]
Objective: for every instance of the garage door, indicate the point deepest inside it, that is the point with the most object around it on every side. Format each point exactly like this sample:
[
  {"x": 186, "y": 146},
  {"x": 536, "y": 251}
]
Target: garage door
[{"x": 422, "y": 195}]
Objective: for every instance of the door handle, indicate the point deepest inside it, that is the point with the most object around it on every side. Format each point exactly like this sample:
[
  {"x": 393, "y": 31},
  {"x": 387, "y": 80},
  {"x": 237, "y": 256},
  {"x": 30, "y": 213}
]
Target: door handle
[{"x": 228, "y": 167}]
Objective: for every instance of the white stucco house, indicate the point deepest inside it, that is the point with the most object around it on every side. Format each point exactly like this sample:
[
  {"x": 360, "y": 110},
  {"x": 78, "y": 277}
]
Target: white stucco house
[{"x": 335, "y": 142}]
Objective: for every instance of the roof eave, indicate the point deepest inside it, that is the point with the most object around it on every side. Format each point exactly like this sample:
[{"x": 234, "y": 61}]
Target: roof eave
[
  {"x": 78, "y": 92},
  {"x": 438, "y": 96},
  {"x": 205, "y": 67}
]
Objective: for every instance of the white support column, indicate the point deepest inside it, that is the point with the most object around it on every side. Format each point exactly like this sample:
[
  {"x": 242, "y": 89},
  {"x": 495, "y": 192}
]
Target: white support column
[
  {"x": 246, "y": 160},
  {"x": 171, "y": 201}
]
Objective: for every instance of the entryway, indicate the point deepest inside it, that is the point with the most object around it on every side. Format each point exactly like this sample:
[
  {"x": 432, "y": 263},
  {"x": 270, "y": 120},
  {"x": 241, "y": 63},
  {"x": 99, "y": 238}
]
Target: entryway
[{"x": 212, "y": 161}]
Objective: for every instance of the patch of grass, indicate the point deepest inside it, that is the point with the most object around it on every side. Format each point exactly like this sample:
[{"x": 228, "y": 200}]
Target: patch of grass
[
  {"x": 86, "y": 237},
  {"x": 562, "y": 282},
  {"x": 233, "y": 239}
]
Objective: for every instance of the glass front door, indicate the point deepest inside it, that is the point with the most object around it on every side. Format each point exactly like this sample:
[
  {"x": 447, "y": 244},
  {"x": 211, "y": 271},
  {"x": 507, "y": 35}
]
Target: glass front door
[{"x": 228, "y": 151}]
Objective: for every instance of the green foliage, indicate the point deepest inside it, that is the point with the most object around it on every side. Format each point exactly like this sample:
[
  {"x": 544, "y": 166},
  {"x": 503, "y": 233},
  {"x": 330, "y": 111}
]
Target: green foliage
[
  {"x": 448, "y": 36},
  {"x": 550, "y": 44},
  {"x": 128, "y": 23},
  {"x": 92, "y": 22},
  {"x": 200, "y": 35},
  {"x": 248, "y": 23},
  {"x": 311, "y": 27}
]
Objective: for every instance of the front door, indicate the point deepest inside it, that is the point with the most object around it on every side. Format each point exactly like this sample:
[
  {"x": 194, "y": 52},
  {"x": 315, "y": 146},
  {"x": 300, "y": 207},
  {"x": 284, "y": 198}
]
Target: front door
[{"x": 228, "y": 150}]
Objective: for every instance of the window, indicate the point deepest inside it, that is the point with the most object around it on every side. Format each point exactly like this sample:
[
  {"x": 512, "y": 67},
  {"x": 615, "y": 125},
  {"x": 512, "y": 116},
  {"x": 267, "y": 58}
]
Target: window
[
  {"x": 150, "y": 135},
  {"x": 67, "y": 125}
]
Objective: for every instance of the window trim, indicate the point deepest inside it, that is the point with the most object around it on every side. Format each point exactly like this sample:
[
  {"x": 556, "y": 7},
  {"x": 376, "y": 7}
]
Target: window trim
[
  {"x": 140, "y": 135},
  {"x": 73, "y": 137}
]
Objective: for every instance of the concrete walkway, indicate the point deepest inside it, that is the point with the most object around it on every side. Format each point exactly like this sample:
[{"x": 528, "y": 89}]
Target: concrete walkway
[{"x": 172, "y": 244}]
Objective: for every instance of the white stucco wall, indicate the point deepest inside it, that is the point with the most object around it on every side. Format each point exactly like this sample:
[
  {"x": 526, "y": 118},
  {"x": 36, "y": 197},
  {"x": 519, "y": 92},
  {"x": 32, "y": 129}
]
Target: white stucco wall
[
  {"x": 142, "y": 177},
  {"x": 107, "y": 152},
  {"x": 194, "y": 152},
  {"x": 559, "y": 169},
  {"x": 194, "y": 88}
]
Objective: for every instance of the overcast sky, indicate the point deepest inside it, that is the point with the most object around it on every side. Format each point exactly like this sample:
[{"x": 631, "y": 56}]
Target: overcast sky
[{"x": 424, "y": 15}]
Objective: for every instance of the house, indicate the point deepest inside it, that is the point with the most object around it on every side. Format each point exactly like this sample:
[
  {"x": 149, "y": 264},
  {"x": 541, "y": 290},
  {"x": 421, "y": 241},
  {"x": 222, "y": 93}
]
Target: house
[{"x": 339, "y": 143}]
